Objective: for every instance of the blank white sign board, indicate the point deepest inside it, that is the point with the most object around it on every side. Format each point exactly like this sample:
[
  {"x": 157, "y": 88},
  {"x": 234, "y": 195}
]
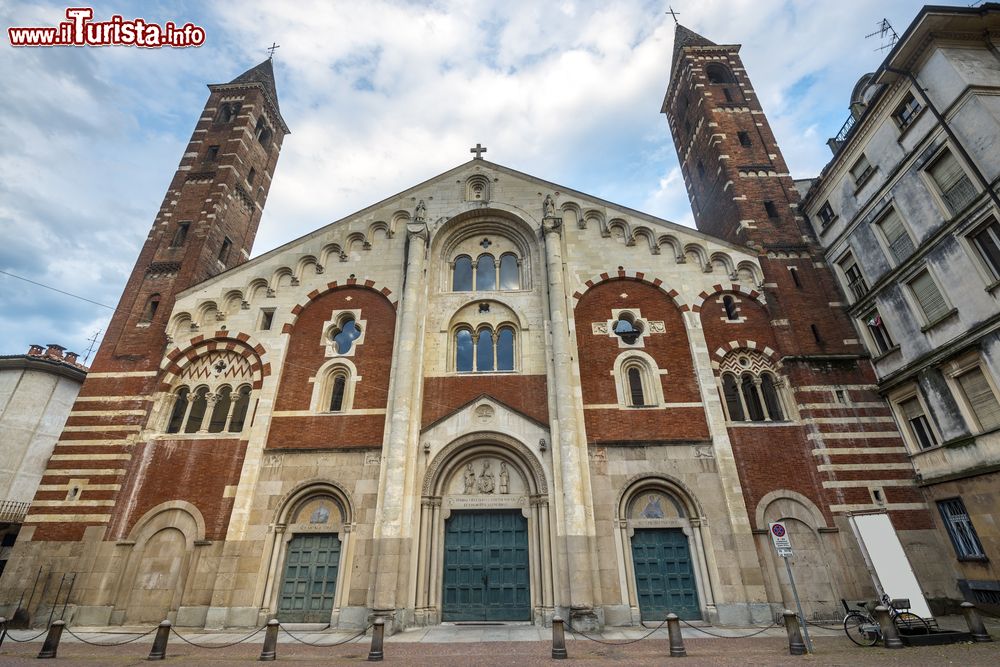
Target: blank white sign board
[{"x": 888, "y": 561}]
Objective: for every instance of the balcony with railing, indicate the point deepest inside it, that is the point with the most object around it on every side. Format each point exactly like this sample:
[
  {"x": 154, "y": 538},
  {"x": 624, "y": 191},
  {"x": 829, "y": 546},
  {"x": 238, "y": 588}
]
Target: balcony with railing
[
  {"x": 837, "y": 142},
  {"x": 13, "y": 511}
]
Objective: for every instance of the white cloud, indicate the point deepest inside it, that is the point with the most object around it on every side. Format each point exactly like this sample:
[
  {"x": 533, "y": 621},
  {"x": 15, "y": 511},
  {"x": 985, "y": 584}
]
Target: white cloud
[{"x": 379, "y": 96}]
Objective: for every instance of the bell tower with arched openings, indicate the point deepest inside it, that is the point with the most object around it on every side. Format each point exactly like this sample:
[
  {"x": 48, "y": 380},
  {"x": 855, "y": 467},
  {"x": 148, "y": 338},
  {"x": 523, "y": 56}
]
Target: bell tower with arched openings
[{"x": 205, "y": 225}]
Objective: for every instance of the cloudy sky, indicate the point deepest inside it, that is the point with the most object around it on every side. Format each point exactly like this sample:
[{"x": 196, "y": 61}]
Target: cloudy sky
[{"x": 379, "y": 96}]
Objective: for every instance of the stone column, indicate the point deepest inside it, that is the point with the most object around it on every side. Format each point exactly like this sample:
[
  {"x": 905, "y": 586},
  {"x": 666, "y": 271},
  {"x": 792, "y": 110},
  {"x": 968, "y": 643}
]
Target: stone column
[
  {"x": 390, "y": 552},
  {"x": 577, "y": 530}
]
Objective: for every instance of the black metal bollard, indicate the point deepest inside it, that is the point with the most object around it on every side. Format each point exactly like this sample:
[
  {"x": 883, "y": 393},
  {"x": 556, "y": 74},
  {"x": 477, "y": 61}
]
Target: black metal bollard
[
  {"x": 51, "y": 645},
  {"x": 674, "y": 633},
  {"x": 375, "y": 654},
  {"x": 159, "y": 650},
  {"x": 890, "y": 636},
  {"x": 3, "y": 630},
  {"x": 975, "y": 623},
  {"x": 558, "y": 639},
  {"x": 270, "y": 650},
  {"x": 795, "y": 644}
]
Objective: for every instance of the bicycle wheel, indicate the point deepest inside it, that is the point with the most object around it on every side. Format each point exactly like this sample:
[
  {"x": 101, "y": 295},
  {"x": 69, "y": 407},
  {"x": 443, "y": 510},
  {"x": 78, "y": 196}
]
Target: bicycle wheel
[
  {"x": 861, "y": 629},
  {"x": 911, "y": 624}
]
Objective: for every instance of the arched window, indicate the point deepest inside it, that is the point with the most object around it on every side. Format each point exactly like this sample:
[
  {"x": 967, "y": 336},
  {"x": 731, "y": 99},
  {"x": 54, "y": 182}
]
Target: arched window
[
  {"x": 338, "y": 390},
  {"x": 510, "y": 275},
  {"x": 180, "y": 409},
  {"x": 486, "y": 273},
  {"x": 262, "y": 132},
  {"x": 484, "y": 351},
  {"x": 730, "y": 306},
  {"x": 149, "y": 312},
  {"x": 718, "y": 73},
  {"x": 750, "y": 390},
  {"x": 771, "y": 400},
  {"x": 345, "y": 335},
  {"x": 751, "y": 398},
  {"x": 627, "y": 328},
  {"x": 196, "y": 415},
  {"x": 461, "y": 280},
  {"x": 731, "y": 392},
  {"x": 220, "y": 412},
  {"x": 463, "y": 351},
  {"x": 227, "y": 112},
  {"x": 636, "y": 396},
  {"x": 240, "y": 408},
  {"x": 505, "y": 349}
]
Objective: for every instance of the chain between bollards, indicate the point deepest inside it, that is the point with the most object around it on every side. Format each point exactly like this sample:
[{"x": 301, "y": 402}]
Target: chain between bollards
[
  {"x": 375, "y": 654},
  {"x": 975, "y": 622},
  {"x": 558, "y": 639},
  {"x": 51, "y": 645},
  {"x": 890, "y": 636},
  {"x": 674, "y": 633},
  {"x": 269, "y": 651}
]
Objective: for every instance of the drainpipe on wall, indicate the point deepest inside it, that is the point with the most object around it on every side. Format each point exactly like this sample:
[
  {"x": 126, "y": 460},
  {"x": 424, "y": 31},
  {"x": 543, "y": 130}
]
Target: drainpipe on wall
[{"x": 951, "y": 135}]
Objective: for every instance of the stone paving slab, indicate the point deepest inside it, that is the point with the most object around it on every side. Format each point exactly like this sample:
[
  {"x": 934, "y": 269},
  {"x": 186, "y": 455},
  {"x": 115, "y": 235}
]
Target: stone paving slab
[{"x": 716, "y": 652}]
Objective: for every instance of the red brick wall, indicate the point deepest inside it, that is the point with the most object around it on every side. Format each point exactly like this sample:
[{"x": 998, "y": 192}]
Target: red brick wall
[
  {"x": 524, "y": 393},
  {"x": 670, "y": 350},
  {"x": 307, "y": 353}
]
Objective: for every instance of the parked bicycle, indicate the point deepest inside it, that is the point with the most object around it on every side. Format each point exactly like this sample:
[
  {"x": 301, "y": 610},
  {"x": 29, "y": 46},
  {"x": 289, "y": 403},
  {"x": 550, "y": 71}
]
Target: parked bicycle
[{"x": 863, "y": 629}]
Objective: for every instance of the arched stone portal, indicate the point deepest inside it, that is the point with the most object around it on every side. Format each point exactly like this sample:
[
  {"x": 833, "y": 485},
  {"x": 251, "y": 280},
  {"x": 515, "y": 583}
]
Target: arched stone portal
[
  {"x": 665, "y": 551},
  {"x": 485, "y": 534}
]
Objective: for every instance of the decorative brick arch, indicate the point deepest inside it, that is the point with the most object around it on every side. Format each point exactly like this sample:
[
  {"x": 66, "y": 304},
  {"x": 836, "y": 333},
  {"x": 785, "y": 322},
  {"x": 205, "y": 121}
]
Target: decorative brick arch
[
  {"x": 734, "y": 288},
  {"x": 637, "y": 276},
  {"x": 350, "y": 282},
  {"x": 745, "y": 344},
  {"x": 177, "y": 359}
]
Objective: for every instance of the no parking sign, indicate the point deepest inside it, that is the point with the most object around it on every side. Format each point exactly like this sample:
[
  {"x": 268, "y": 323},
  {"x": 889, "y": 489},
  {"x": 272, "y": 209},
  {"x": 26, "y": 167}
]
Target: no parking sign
[{"x": 779, "y": 536}]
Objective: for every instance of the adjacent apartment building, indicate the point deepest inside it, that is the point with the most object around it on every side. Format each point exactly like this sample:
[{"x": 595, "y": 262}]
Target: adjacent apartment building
[
  {"x": 907, "y": 212},
  {"x": 37, "y": 391}
]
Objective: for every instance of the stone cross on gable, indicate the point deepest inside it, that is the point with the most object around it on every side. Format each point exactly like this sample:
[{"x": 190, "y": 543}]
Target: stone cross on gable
[
  {"x": 674, "y": 14},
  {"x": 271, "y": 49},
  {"x": 478, "y": 150}
]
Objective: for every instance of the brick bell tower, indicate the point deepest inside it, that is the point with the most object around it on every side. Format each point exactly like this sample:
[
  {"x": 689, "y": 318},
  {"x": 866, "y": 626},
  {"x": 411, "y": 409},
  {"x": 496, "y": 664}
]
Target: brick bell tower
[
  {"x": 741, "y": 191},
  {"x": 206, "y": 225},
  {"x": 840, "y": 449}
]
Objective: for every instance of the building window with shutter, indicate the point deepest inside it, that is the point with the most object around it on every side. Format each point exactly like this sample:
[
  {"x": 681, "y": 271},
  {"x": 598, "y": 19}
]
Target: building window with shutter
[
  {"x": 960, "y": 529},
  {"x": 877, "y": 332},
  {"x": 929, "y": 298},
  {"x": 856, "y": 284},
  {"x": 917, "y": 426},
  {"x": 896, "y": 237},
  {"x": 953, "y": 184},
  {"x": 907, "y": 112},
  {"x": 826, "y": 214},
  {"x": 987, "y": 243},
  {"x": 978, "y": 396},
  {"x": 862, "y": 171}
]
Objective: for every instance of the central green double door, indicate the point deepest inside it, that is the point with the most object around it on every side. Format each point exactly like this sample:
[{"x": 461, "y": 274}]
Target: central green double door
[{"x": 486, "y": 567}]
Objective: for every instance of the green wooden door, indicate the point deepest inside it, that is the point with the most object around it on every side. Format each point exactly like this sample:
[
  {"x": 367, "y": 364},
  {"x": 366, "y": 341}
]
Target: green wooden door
[
  {"x": 664, "y": 574},
  {"x": 310, "y": 578},
  {"x": 486, "y": 567}
]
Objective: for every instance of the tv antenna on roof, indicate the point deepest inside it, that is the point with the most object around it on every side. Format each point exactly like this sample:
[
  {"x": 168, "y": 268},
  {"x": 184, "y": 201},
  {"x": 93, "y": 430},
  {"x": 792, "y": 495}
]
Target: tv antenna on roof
[
  {"x": 886, "y": 34},
  {"x": 93, "y": 342}
]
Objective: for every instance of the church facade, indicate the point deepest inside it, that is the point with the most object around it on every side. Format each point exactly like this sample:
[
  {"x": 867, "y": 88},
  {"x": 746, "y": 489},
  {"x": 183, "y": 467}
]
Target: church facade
[{"x": 486, "y": 398}]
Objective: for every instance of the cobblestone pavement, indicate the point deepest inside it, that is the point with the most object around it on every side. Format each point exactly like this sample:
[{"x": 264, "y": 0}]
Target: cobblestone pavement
[{"x": 503, "y": 645}]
